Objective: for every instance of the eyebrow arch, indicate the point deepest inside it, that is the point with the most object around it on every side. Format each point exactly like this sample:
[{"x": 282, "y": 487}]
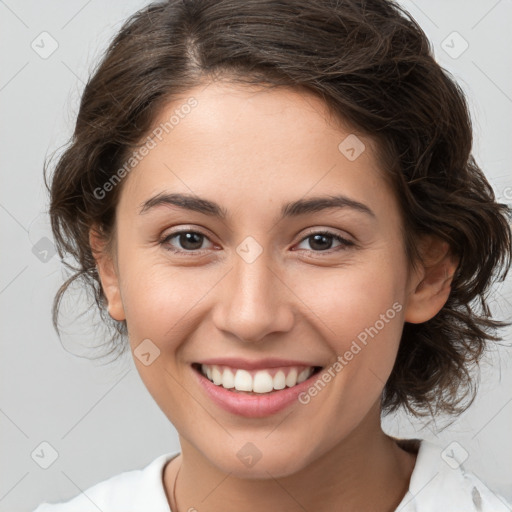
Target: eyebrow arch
[
  {"x": 186, "y": 201},
  {"x": 293, "y": 209},
  {"x": 316, "y": 204}
]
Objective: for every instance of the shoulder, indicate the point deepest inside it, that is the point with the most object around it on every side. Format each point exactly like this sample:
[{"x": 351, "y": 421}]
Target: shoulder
[
  {"x": 140, "y": 489},
  {"x": 440, "y": 482}
]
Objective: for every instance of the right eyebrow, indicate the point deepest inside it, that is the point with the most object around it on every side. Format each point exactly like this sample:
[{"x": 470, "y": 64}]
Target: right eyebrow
[{"x": 186, "y": 201}]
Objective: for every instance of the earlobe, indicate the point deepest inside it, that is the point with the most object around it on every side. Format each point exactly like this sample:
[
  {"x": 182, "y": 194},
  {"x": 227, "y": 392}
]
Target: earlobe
[
  {"x": 108, "y": 274},
  {"x": 431, "y": 284}
]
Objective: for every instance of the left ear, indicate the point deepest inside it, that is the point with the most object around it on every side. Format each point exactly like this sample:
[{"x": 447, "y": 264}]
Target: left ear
[{"x": 430, "y": 283}]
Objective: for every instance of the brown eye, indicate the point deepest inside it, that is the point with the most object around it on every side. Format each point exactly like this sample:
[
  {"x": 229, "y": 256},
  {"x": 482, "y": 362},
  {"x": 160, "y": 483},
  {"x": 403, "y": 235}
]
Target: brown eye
[
  {"x": 320, "y": 242},
  {"x": 323, "y": 241},
  {"x": 187, "y": 241}
]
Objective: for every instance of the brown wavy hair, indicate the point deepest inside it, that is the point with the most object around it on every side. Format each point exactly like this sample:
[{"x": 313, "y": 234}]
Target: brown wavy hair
[{"x": 373, "y": 66}]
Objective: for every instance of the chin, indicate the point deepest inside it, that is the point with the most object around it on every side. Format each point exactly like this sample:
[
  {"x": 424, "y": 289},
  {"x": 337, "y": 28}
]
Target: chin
[{"x": 251, "y": 463}]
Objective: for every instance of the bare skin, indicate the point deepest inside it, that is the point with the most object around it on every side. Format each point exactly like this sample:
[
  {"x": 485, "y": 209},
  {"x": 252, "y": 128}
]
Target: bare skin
[
  {"x": 251, "y": 151},
  {"x": 378, "y": 488}
]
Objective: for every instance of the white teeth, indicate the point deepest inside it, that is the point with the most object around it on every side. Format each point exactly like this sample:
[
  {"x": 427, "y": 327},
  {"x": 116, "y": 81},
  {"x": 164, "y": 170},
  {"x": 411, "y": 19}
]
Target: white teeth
[
  {"x": 216, "y": 376},
  {"x": 243, "y": 380},
  {"x": 303, "y": 375},
  {"x": 279, "y": 380},
  {"x": 291, "y": 378},
  {"x": 261, "y": 382},
  {"x": 228, "y": 379}
]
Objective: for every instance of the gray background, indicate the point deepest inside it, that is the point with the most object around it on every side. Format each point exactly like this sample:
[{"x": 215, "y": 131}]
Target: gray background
[{"x": 100, "y": 419}]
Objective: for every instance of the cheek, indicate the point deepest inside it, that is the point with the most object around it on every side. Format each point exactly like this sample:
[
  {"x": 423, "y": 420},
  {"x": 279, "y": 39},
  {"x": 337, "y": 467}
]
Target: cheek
[
  {"x": 158, "y": 296},
  {"x": 162, "y": 304},
  {"x": 347, "y": 300},
  {"x": 359, "y": 313}
]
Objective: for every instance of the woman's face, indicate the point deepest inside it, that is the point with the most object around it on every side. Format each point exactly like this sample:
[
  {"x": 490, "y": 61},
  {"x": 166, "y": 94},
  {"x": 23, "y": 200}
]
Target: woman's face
[{"x": 251, "y": 284}]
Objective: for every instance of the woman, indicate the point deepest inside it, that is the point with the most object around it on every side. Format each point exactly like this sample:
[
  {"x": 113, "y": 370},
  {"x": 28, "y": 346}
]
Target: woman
[{"x": 277, "y": 206}]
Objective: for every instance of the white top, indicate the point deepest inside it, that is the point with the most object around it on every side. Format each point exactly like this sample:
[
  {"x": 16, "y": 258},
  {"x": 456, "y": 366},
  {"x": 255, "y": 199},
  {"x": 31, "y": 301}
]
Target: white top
[{"x": 438, "y": 483}]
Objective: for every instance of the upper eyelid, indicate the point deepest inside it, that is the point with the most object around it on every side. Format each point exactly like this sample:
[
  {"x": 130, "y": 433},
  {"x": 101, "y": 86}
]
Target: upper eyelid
[{"x": 329, "y": 231}]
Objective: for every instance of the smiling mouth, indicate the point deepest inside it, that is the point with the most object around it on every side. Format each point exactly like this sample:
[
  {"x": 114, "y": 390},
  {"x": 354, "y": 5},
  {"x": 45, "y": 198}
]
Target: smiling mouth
[{"x": 256, "y": 382}]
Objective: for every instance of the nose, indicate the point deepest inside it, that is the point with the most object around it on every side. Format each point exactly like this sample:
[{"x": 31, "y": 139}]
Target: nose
[{"x": 253, "y": 301}]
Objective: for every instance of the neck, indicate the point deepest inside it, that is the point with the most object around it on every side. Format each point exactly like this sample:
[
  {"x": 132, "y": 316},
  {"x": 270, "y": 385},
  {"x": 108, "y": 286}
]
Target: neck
[{"x": 365, "y": 471}]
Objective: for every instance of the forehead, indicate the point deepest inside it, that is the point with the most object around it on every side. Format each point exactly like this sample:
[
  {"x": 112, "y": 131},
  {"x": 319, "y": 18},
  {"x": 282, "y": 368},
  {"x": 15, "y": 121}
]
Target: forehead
[{"x": 241, "y": 145}]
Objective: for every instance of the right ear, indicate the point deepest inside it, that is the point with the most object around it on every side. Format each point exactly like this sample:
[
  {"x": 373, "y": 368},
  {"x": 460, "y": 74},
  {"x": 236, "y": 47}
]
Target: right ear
[{"x": 108, "y": 274}]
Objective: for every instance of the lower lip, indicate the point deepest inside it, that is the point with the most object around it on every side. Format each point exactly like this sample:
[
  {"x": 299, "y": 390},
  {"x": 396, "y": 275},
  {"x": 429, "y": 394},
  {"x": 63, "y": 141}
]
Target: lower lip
[{"x": 253, "y": 406}]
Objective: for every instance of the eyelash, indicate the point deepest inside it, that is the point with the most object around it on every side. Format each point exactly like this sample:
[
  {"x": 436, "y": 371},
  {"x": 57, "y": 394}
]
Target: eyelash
[{"x": 343, "y": 241}]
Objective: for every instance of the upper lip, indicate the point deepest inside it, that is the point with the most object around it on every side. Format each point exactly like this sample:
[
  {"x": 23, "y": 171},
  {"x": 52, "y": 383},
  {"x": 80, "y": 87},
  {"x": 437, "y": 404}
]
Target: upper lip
[{"x": 248, "y": 364}]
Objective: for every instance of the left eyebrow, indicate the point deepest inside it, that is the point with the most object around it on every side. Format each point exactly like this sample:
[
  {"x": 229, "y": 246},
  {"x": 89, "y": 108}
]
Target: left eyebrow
[
  {"x": 316, "y": 204},
  {"x": 292, "y": 209}
]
